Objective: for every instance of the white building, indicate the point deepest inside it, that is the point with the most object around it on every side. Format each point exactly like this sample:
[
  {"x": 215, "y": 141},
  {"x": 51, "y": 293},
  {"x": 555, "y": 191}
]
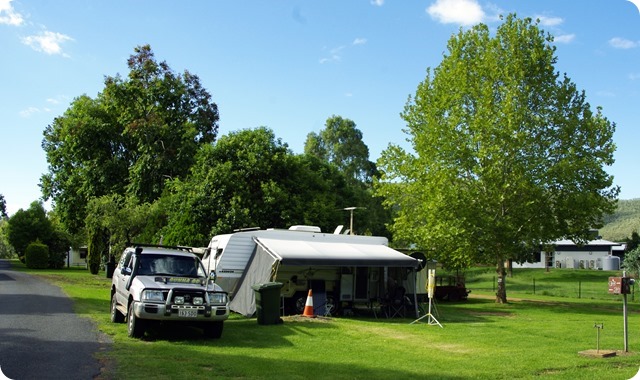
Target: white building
[
  {"x": 76, "y": 257},
  {"x": 595, "y": 254}
]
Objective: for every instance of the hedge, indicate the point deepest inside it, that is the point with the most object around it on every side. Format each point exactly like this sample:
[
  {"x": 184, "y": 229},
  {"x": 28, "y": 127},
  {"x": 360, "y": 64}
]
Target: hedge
[{"x": 36, "y": 256}]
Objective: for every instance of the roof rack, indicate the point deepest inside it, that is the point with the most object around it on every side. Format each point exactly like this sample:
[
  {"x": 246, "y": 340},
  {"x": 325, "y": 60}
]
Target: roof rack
[
  {"x": 195, "y": 250},
  {"x": 247, "y": 229}
]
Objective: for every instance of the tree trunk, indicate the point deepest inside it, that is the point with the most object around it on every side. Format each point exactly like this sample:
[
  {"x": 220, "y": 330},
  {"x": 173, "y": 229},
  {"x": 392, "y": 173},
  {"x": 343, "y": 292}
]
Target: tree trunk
[
  {"x": 546, "y": 261},
  {"x": 501, "y": 294}
]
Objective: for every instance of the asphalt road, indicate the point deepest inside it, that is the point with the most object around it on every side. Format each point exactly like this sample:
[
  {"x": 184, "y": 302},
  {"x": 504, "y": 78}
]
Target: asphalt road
[{"x": 40, "y": 336}]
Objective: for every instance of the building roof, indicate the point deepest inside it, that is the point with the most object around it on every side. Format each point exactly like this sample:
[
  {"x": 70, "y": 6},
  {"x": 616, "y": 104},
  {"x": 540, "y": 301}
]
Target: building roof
[{"x": 599, "y": 242}]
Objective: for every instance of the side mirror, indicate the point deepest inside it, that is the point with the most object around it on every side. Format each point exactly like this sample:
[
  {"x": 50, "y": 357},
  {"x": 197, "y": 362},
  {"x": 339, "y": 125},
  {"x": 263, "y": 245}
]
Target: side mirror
[
  {"x": 213, "y": 276},
  {"x": 125, "y": 271}
]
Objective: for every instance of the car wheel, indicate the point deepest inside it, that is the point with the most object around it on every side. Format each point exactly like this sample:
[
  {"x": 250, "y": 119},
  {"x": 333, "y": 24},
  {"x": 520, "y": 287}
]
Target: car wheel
[
  {"x": 135, "y": 326},
  {"x": 116, "y": 315},
  {"x": 212, "y": 330}
]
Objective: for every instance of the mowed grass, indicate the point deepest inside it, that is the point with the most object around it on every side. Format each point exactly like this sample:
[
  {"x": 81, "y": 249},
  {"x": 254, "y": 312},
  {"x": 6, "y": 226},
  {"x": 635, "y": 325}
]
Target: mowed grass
[{"x": 527, "y": 338}]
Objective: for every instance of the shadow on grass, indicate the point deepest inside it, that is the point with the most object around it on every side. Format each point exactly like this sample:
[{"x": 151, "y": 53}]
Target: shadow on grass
[
  {"x": 237, "y": 332},
  {"x": 252, "y": 351}
]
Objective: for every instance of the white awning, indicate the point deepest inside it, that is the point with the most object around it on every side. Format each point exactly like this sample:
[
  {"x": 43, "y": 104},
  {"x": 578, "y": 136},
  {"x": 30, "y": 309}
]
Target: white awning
[{"x": 302, "y": 252}]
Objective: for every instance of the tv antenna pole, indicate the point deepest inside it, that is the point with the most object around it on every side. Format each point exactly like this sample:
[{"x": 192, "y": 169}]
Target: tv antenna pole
[{"x": 350, "y": 209}]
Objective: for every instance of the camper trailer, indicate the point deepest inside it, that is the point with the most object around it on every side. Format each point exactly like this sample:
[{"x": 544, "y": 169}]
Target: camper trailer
[{"x": 343, "y": 271}]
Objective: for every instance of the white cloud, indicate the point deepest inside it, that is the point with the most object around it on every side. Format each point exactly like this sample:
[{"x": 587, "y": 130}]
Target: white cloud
[
  {"x": 47, "y": 42},
  {"x": 359, "y": 41},
  {"x": 564, "y": 38},
  {"x": 57, "y": 100},
  {"x": 8, "y": 15},
  {"x": 622, "y": 43},
  {"x": 549, "y": 21},
  {"x": 29, "y": 111},
  {"x": 464, "y": 12},
  {"x": 334, "y": 55},
  {"x": 634, "y": 76},
  {"x": 606, "y": 94},
  {"x": 377, "y": 3}
]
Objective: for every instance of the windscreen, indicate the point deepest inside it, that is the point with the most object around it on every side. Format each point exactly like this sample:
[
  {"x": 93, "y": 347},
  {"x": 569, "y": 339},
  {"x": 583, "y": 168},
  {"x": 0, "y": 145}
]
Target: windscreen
[{"x": 168, "y": 265}]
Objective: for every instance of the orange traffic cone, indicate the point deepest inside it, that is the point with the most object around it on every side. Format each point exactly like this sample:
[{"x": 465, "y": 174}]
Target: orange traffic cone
[{"x": 308, "y": 306}]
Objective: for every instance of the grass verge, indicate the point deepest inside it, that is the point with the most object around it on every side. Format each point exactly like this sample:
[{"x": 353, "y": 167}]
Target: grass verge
[{"x": 524, "y": 339}]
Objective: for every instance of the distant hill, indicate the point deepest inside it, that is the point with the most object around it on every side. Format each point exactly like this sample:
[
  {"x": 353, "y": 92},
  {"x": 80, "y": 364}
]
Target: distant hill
[{"x": 623, "y": 222}]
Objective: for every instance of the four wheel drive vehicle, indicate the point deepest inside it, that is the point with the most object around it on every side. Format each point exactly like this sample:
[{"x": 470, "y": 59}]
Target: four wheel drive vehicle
[{"x": 158, "y": 284}]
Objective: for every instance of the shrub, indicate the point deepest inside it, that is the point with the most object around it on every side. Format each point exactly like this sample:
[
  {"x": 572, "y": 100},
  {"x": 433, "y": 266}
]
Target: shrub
[
  {"x": 57, "y": 259},
  {"x": 37, "y": 256}
]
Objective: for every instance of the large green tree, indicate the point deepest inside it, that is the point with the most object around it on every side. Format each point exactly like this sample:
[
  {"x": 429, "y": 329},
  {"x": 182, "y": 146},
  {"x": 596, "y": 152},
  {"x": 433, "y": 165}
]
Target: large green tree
[
  {"x": 250, "y": 178},
  {"x": 114, "y": 221},
  {"x": 508, "y": 154},
  {"x": 341, "y": 144},
  {"x": 33, "y": 225},
  {"x": 129, "y": 140}
]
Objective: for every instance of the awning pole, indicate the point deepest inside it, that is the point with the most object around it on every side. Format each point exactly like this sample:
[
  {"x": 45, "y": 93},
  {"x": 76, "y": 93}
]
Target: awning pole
[{"x": 415, "y": 292}]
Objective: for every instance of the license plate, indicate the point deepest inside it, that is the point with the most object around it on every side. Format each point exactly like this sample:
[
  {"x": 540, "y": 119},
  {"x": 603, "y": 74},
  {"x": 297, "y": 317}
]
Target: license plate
[{"x": 188, "y": 313}]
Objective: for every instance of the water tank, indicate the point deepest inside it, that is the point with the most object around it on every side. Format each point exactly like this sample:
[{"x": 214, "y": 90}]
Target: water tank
[
  {"x": 571, "y": 263},
  {"x": 611, "y": 263}
]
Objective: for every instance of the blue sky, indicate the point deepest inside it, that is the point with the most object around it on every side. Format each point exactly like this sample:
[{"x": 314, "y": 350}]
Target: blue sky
[{"x": 290, "y": 64}]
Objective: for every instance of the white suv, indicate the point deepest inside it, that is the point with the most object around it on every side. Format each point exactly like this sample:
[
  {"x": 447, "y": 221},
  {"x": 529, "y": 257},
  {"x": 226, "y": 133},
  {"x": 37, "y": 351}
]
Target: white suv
[{"x": 156, "y": 283}]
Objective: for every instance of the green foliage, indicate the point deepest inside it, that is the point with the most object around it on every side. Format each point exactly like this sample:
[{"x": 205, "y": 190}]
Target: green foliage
[
  {"x": 632, "y": 262},
  {"x": 247, "y": 179},
  {"x": 340, "y": 144},
  {"x": 623, "y": 222},
  {"x": 59, "y": 245},
  {"x": 6, "y": 249},
  {"x": 478, "y": 337},
  {"x": 129, "y": 139},
  {"x": 36, "y": 256},
  {"x": 508, "y": 154},
  {"x": 27, "y": 226},
  {"x": 97, "y": 249},
  {"x": 33, "y": 224},
  {"x": 3, "y": 207},
  {"x": 114, "y": 221}
]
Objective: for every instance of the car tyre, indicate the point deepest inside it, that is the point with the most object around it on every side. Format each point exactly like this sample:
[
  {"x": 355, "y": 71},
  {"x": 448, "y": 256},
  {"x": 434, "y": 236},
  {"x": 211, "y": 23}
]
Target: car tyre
[
  {"x": 213, "y": 330},
  {"x": 135, "y": 326},
  {"x": 116, "y": 315}
]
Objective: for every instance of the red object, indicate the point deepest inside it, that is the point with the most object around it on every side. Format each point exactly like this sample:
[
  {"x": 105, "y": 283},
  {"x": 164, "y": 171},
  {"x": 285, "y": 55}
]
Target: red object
[
  {"x": 615, "y": 285},
  {"x": 308, "y": 306}
]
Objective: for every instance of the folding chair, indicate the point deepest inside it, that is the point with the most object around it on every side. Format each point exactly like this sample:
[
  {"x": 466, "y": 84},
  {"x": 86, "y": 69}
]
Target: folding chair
[{"x": 397, "y": 303}]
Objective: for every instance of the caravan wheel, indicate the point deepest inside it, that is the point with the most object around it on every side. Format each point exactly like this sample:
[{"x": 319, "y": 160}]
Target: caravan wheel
[{"x": 300, "y": 299}]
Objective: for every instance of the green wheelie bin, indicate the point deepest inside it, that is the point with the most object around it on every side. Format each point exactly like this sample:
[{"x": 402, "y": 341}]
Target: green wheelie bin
[{"x": 268, "y": 302}]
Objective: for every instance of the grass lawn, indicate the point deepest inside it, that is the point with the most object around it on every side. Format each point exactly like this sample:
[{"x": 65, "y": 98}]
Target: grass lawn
[{"x": 532, "y": 336}]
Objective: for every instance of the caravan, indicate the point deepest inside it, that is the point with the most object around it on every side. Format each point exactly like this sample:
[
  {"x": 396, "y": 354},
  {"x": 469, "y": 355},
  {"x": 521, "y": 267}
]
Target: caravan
[{"x": 342, "y": 270}]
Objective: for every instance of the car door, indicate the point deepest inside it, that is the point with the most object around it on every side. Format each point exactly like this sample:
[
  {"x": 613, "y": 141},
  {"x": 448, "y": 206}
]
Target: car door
[{"x": 122, "y": 279}]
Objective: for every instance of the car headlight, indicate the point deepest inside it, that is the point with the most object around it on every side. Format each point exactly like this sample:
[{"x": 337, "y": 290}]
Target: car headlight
[
  {"x": 198, "y": 301},
  {"x": 152, "y": 295},
  {"x": 219, "y": 298},
  {"x": 179, "y": 300}
]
